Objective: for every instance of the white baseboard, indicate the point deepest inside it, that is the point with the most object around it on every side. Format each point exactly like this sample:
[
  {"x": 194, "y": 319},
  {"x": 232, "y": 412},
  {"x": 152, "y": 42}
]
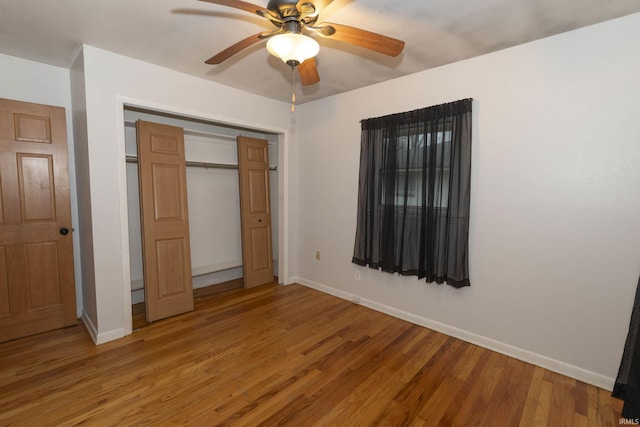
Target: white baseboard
[
  {"x": 554, "y": 365},
  {"x": 93, "y": 331},
  {"x": 217, "y": 277},
  {"x": 100, "y": 337}
]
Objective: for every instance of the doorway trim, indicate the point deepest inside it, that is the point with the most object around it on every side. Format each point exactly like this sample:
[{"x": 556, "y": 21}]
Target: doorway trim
[{"x": 283, "y": 186}]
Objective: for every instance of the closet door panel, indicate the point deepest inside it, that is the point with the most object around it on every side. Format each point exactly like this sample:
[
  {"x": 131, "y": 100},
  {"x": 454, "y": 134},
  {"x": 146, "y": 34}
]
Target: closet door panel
[
  {"x": 164, "y": 220},
  {"x": 255, "y": 211}
]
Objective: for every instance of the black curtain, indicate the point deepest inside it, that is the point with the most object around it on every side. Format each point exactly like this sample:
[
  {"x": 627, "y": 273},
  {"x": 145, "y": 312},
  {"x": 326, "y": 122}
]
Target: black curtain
[
  {"x": 414, "y": 192},
  {"x": 627, "y": 386}
]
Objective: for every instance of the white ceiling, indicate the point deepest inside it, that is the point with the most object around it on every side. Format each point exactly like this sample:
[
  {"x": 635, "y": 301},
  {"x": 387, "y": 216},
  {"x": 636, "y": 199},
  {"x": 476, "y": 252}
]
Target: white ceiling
[{"x": 182, "y": 34}]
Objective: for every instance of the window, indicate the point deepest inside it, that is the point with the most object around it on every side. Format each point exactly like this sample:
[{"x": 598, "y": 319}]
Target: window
[
  {"x": 408, "y": 183},
  {"x": 414, "y": 192}
]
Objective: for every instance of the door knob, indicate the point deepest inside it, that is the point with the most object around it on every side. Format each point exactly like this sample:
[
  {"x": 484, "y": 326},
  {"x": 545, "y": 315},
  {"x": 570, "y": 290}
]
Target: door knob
[{"x": 64, "y": 231}]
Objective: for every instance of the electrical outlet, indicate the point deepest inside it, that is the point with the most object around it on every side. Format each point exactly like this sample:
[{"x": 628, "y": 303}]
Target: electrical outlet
[
  {"x": 356, "y": 275},
  {"x": 318, "y": 255}
]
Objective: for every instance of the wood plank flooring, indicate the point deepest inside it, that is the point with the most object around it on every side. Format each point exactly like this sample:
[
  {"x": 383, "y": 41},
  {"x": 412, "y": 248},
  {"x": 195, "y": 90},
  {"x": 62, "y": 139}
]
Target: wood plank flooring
[
  {"x": 138, "y": 315},
  {"x": 283, "y": 356}
]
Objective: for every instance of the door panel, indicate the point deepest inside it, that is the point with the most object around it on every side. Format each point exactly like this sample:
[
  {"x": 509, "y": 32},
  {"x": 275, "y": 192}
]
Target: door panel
[
  {"x": 32, "y": 128},
  {"x": 41, "y": 269},
  {"x": 4, "y": 284},
  {"x": 257, "y": 153},
  {"x": 260, "y": 239},
  {"x": 255, "y": 211},
  {"x": 36, "y": 187},
  {"x": 163, "y": 144},
  {"x": 37, "y": 289},
  {"x": 165, "y": 220},
  {"x": 258, "y": 191},
  {"x": 172, "y": 270},
  {"x": 167, "y": 192}
]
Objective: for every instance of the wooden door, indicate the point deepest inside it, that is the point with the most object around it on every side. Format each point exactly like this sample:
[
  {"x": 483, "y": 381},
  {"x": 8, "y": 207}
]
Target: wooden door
[
  {"x": 255, "y": 211},
  {"x": 37, "y": 289},
  {"x": 165, "y": 220}
]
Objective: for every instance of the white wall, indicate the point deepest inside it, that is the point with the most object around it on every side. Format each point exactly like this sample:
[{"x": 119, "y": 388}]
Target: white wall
[
  {"x": 555, "y": 229},
  {"x": 30, "y": 81},
  {"x": 110, "y": 81}
]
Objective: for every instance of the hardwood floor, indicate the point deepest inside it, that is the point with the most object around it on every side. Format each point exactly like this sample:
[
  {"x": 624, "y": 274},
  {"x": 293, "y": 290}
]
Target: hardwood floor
[
  {"x": 138, "y": 315},
  {"x": 283, "y": 356}
]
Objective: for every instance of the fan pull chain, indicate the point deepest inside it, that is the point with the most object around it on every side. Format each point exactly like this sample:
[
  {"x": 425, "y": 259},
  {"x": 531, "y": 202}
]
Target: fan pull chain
[{"x": 293, "y": 89}]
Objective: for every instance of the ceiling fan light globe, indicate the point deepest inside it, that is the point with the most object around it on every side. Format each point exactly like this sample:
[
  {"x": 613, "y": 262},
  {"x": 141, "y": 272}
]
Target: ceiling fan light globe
[{"x": 292, "y": 47}]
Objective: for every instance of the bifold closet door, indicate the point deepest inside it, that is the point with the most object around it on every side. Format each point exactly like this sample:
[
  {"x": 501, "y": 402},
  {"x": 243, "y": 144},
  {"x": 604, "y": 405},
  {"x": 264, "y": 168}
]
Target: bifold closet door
[
  {"x": 165, "y": 220},
  {"x": 37, "y": 288},
  {"x": 255, "y": 211}
]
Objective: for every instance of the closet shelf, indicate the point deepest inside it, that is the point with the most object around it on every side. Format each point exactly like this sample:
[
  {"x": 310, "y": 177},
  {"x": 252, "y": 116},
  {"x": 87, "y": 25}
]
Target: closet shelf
[{"x": 195, "y": 132}]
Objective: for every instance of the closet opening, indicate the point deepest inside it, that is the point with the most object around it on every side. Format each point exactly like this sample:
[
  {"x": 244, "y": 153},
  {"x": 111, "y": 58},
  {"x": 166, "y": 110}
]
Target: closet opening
[{"x": 213, "y": 196}]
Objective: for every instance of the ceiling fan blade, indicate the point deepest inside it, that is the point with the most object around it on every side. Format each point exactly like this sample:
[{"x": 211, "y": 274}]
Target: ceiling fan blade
[
  {"x": 320, "y": 4},
  {"x": 249, "y": 7},
  {"x": 238, "y": 4},
  {"x": 308, "y": 72},
  {"x": 358, "y": 37},
  {"x": 235, "y": 48}
]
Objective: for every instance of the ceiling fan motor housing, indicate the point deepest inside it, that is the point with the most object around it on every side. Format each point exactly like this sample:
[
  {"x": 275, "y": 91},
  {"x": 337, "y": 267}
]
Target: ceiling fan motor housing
[
  {"x": 282, "y": 4},
  {"x": 291, "y": 11}
]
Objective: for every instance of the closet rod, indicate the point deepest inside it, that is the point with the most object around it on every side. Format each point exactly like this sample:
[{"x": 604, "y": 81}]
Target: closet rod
[{"x": 206, "y": 165}]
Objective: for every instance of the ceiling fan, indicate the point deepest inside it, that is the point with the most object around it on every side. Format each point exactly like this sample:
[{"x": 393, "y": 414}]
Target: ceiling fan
[{"x": 287, "y": 42}]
